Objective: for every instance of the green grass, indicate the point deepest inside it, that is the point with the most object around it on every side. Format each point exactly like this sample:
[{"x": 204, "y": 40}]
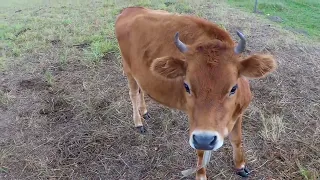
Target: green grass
[
  {"x": 300, "y": 15},
  {"x": 33, "y": 27},
  {"x": 34, "y": 30}
]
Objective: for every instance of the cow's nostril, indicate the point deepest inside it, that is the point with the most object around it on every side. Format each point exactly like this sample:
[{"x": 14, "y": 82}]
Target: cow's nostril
[
  {"x": 194, "y": 139},
  {"x": 213, "y": 142}
]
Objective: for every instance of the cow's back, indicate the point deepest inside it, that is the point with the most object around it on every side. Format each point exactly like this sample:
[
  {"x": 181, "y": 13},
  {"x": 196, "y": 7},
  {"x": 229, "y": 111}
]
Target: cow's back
[{"x": 145, "y": 34}]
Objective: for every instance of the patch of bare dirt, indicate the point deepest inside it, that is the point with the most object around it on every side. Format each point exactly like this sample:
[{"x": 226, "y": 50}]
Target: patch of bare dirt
[
  {"x": 37, "y": 84},
  {"x": 82, "y": 45},
  {"x": 56, "y": 42},
  {"x": 275, "y": 19}
]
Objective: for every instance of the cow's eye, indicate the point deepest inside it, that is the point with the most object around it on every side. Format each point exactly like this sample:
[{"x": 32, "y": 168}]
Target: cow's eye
[
  {"x": 233, "y": 90},
  {"x": 186, "y": 87}
]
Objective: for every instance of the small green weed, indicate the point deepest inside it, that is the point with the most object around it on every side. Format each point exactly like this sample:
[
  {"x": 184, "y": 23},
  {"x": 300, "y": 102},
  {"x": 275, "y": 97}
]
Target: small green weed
[
  {"x": 99, "y": 48},
  {"x": 67, "y": 22},
  {"x": 3, "y": 170},
  {"x": 49, "y": 78},
  {"x": 2, "y": 64},
  {"x": 63, "y": 60},
  {"x": 305, "y": 173}
]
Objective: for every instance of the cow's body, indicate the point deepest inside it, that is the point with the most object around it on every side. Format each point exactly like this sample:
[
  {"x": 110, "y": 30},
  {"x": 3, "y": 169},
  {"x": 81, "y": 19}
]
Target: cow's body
[
  {"x": 145, "y": 35},
  {"x": 155, "y": 66}
]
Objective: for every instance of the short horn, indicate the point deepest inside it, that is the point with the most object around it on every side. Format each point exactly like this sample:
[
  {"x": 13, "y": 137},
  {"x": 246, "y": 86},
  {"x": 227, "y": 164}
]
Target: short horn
[
  {"x": 242, "y": 44},
  {"x": 180, "y": 45}
]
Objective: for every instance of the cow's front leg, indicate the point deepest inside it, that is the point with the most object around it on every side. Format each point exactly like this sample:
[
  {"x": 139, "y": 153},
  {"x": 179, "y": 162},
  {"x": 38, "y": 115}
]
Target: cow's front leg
[
  {"x": 135, "y": 96},
  {"x": 143, "y": 106},
  {"x": 238, "y": 154},
  {"x": 201, "y": 173}
]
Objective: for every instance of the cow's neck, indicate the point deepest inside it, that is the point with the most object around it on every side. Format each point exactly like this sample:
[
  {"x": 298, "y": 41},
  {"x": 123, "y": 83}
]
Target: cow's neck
[{"x": 170, "y": 93}]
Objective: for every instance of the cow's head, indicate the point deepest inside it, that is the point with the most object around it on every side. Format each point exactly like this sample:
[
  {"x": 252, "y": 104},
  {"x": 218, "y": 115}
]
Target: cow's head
[{"x": 211, "y": 71}]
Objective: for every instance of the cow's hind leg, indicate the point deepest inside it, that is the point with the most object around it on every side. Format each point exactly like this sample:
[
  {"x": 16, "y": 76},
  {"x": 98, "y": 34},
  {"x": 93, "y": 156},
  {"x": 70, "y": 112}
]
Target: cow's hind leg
[
  {"x": 143, "y": 106},
  {"x": 201, "y": 173},
  {"x": 135, "y": 98},
  {"x": 238, "y": 154}
]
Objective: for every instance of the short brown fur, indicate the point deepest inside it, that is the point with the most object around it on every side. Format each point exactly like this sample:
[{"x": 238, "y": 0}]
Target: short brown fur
[{"x": 210, "y": 67}]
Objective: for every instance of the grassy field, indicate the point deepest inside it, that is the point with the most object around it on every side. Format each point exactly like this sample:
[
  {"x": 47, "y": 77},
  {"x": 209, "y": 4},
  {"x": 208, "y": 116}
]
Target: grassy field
[
  {"x": 65, "y": 111},
  {"x": 295, "y": 15}
]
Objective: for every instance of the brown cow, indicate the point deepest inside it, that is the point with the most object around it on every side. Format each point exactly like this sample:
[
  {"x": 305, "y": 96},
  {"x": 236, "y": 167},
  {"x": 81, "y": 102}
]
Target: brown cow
[{"x": 188, "y": 63}]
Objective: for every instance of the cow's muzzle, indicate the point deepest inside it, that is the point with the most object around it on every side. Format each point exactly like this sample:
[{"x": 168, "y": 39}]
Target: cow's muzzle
[{"x": 205, "y": 140}]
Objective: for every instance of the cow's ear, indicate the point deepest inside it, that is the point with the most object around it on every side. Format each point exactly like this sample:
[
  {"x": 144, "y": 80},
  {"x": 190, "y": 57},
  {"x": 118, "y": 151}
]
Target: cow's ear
[
  {"x": 169, "y": 67},
  {"x": 257, "y": 66}
]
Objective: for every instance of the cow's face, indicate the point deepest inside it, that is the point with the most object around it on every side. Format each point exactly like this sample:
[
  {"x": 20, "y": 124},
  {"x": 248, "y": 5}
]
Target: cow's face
[{"x": 211, "y": 72}]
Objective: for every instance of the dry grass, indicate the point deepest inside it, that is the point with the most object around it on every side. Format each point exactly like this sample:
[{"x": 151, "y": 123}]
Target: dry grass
[
  {"x": 66, "y": 113},
  {"x": 273, "y": 128}
]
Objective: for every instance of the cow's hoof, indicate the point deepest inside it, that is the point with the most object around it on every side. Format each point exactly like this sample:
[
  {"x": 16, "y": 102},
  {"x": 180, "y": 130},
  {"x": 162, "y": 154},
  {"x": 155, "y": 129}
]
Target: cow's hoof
[
  {"x": 243, "y": 172},
  {"x": 141, "y": 129},
  {"x": 146, "y": 116}
]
